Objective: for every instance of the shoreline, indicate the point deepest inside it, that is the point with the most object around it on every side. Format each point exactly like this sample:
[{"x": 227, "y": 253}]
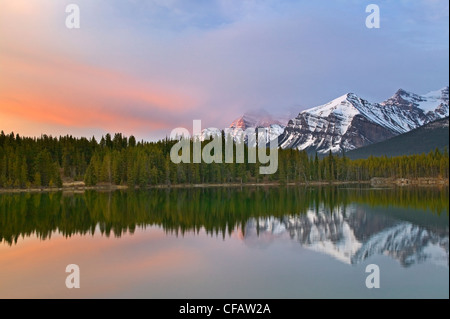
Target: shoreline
[
  {"x": 79, "y": 187},
  {"x": 107, "y": 187}
]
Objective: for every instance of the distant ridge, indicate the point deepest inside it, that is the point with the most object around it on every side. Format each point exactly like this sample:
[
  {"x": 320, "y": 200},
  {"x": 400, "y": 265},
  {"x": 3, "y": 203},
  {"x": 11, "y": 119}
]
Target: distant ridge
[{"x": 421, "y": 140}]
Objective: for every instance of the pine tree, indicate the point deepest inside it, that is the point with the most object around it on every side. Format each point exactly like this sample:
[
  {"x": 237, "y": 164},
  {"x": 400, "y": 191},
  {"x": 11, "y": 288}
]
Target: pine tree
[{"x": 90, "y": 178}]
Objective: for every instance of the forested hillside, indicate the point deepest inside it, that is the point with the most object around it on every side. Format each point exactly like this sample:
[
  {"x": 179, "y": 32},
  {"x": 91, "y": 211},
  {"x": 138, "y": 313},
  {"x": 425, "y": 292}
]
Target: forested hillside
[{"x": 421, "y": 140}]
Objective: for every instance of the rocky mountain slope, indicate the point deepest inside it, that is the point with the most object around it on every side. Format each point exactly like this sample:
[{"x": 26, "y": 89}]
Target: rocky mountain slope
[{"x": 350, "y": 122}]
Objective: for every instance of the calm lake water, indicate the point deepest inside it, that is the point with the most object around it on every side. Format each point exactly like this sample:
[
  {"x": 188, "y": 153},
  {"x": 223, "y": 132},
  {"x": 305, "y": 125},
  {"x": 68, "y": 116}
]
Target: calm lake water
[{"x": 286, "y": 242}]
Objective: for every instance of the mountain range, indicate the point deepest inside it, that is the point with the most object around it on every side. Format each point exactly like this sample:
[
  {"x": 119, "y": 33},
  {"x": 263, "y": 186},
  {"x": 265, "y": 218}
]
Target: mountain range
[{"x": 350, "y": 122}]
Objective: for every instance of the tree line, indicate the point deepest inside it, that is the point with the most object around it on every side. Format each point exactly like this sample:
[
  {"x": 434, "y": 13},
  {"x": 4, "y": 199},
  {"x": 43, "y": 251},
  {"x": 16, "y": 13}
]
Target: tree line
[{"x": 48, "y": 161}]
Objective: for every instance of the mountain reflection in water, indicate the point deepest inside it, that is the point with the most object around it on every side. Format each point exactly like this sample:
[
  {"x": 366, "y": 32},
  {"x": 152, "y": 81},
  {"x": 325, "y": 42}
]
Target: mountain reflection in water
[
  {"x": 352, "y": 235},
  {"x": 350, "y": 224}
]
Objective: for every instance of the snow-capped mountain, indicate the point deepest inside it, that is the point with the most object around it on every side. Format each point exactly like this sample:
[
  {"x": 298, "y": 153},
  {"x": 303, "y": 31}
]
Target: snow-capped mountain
[
  {"x": 433, "y": 104},
  {"x": 273, "y": 126},
  {"x": 351, "y": 236},
  {"x": 350, "y": 122}
]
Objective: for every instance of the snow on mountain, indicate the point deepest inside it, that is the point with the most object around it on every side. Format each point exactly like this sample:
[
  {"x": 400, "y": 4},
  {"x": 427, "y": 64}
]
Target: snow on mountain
[
  {"x": 429, "y": 102},
  {"x": 347, "y": 122},
  {"x": 350, "y": 122},
  {"x": 252, "y": 121},
  {"x": 417, "y": 109}
]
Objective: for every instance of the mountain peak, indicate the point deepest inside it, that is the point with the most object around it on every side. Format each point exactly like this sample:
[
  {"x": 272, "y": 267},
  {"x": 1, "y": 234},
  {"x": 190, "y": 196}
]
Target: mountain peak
[
  {"x": 405, "y": 95},
  {"x": 346, "y": 97},
  {"x": 403, "y": 99},
  {"x": 402, "y": 92},
  {"x": 441, "y": 94},
  {"x": 344, "y": 105},
  {"x": 273, "y": 126},
  {"x": 350, "y": 122},
  {"x": 427, "y": 102},
  {"x": 255, "y": 119}
]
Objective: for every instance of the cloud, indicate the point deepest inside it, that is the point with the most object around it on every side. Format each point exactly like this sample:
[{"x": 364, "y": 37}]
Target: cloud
[
  {"x": 149, "y": 66},
  {"x": 67, "y": 92}
]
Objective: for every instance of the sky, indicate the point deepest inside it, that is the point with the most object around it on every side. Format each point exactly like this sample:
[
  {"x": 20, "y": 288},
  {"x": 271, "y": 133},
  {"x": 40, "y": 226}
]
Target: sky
[{"x": 143, "y": 68}]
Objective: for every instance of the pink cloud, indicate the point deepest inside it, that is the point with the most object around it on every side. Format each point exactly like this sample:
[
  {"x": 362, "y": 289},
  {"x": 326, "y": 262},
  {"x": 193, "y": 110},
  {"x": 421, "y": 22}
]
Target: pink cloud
[{"x": 75, "y": 94}]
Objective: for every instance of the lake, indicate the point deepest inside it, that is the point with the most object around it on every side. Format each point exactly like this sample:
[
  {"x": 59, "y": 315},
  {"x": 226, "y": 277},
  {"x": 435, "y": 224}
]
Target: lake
[{"x": 251, "y": 242}]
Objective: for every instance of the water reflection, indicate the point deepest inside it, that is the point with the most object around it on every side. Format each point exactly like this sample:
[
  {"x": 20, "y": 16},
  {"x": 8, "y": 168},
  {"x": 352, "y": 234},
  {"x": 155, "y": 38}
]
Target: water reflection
[
  {"x": 352, "y": 235},
  {"x": 408, "y": 224}
]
